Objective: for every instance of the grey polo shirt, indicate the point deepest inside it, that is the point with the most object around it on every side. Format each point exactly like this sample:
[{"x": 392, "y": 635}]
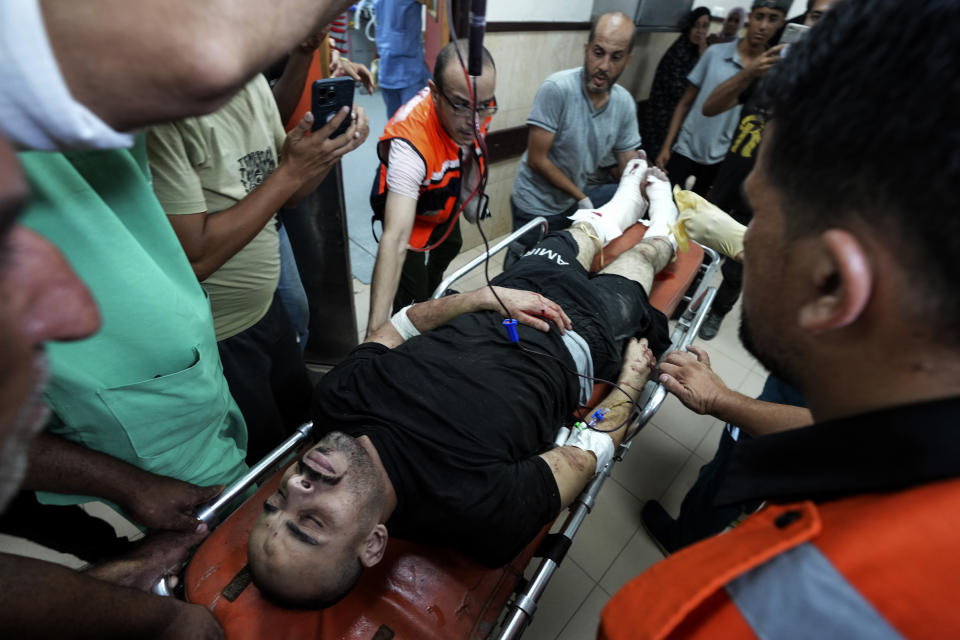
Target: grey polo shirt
[
  {"x": 706, "y": 139},
  {"x": 583, "y": 137}
]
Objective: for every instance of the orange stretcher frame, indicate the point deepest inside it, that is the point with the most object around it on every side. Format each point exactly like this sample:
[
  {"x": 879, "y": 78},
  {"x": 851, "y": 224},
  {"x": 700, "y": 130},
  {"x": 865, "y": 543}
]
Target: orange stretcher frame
[{"x": 416, "y": 591}]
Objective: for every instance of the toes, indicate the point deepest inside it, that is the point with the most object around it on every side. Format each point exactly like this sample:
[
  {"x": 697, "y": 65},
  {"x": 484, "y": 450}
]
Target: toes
[{"x": 656, "y": 173}]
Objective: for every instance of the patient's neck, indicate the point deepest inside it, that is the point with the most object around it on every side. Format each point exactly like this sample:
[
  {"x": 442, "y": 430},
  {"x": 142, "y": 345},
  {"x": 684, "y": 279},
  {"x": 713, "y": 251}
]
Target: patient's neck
[{"x": 390, "y": 499}]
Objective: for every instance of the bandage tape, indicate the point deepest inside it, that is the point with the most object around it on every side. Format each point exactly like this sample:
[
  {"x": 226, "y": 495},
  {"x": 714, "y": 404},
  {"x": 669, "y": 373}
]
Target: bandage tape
[
  {"x": 401, "y": 322},
  {"x": 589, "y": 440}
]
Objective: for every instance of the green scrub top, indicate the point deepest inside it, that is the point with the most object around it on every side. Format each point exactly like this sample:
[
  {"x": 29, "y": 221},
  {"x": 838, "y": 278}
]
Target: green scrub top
[{"x": 148, "y": 388}]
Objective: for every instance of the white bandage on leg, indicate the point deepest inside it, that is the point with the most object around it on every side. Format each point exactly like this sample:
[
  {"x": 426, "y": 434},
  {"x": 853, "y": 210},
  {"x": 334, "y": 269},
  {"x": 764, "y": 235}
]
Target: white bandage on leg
[
  {"x": 401, "y": 322},
  {"x": 663, "y": 210},
  {"x": 600, "y": 444},
  {"x": 625, "y": 207}
]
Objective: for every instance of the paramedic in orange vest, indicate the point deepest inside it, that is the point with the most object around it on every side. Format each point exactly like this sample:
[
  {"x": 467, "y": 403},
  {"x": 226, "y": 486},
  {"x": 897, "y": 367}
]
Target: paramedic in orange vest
[
  {"x": 849, "y": 293},
  {"x": 419, "y": 186}
]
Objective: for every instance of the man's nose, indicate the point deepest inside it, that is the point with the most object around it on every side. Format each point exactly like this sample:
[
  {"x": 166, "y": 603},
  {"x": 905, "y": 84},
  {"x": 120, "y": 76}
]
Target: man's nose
[
  {"x": 50, "y": 300},
  {"x": 299, "y": 485}
]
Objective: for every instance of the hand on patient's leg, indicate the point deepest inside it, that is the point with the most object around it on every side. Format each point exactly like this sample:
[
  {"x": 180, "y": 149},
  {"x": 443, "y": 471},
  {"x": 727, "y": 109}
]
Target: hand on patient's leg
[
  {"x": 625, "y": 208},
  {"x": 709, "y": 225}
]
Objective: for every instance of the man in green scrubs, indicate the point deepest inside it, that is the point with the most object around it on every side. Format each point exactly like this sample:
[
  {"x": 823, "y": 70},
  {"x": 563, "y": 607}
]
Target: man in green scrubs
[{"x": 148, "y": 388}]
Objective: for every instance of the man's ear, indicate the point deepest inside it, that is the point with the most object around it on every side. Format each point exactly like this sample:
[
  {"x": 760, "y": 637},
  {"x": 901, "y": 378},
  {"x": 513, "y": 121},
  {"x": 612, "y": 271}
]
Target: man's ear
[
  {"x": 373, "y": 546},
  {"x": 842, "y": 282},
  {"x": 434, "y": 92}
]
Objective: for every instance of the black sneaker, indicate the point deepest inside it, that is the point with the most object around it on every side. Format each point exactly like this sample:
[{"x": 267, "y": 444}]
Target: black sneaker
[
  {"x": 710, "y": 326},
  {"x": 661, "y": 528}
]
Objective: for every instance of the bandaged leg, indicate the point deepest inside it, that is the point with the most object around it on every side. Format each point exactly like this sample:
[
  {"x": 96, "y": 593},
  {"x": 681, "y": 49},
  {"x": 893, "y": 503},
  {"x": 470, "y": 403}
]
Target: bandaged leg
[
  {"x": 663, "y": 211},
  {"x": 624, "y": 209},
  {"x": 709, "y": 225}
]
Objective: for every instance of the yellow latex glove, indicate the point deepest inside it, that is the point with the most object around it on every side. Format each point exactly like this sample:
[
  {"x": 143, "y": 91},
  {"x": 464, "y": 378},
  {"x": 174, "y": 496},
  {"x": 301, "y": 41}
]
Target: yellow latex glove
[{"x": 707, "y": 223}]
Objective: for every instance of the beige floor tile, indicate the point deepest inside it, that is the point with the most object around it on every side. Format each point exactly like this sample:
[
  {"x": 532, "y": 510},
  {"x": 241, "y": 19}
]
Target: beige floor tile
[
  {"x": 639, "y": 554},
  {"x": 651, "y": 464},
  {"x": 612, "y": 522},
  {"x": 735, "y": 352},
  {"x": 708, "y": 446},
  {"x": 121, "y": 525},
  {"x": 682, "y": 424},
  {"x": 583, "y": 625},
  {"x": 752, "y": 385},
  {"x": 568, "y": 589},
  {"x": 759, "y": 368},
  {"x": 361, "y": 304},
  {"x": 730, "y": 371},
  {"x": 23, "y": 547},
  {"x": 674, "y": 494}
]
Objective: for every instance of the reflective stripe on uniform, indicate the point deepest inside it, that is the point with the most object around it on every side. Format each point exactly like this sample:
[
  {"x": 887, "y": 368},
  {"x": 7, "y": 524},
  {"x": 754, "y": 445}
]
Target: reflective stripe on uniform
[{"x": 800, "y": 594}]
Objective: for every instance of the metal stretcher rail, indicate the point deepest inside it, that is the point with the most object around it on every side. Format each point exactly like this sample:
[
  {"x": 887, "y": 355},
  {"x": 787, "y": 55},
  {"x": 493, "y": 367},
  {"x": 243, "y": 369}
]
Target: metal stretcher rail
[
  {"x": 539, "y": 221},
  {"x": 554, "y": 548}
]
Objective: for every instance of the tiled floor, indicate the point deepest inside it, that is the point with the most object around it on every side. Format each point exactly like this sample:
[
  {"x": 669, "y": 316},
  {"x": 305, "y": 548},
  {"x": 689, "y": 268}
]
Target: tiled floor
[{"x": 611, "y": 547}]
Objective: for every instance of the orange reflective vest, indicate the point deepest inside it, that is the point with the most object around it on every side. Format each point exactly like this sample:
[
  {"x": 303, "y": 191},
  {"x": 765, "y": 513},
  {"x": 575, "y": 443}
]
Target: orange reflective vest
[
  {"x": 880, "y": 565},
  {"x": 417, "y": 123},
  {"x": 319, "y": 68}
]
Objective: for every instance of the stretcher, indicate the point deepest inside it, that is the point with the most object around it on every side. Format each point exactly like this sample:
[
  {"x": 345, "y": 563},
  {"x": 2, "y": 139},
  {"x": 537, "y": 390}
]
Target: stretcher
[{"x": 417, "y": 591}]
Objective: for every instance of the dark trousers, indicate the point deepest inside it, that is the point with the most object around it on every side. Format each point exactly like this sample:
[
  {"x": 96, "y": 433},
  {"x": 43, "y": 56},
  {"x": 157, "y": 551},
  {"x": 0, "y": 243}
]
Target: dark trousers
[
  {"x": 268, "y": 379},
  {"x": 699, "y": 516},
  {"x": 729, "y": 289},
  {"x": 423, "y": 272},
  {"x": 681, "y": 167}
]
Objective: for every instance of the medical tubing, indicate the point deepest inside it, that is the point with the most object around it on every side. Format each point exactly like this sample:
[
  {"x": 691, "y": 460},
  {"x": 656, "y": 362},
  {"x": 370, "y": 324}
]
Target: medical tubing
[{"x": 472, "y": 91}]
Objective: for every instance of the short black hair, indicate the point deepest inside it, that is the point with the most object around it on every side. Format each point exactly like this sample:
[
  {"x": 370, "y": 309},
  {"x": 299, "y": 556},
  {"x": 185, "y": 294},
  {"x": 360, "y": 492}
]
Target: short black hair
[
  {"x": 596, "y": 20},
  {"x": 865, "y": 132},
  {"x": 449, "y": 54}
]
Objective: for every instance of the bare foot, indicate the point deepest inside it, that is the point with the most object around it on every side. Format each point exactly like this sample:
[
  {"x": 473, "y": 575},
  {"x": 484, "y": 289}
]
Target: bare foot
[
  {"x": 638, "y": 364},
  {"x": 158, "y": 555}
]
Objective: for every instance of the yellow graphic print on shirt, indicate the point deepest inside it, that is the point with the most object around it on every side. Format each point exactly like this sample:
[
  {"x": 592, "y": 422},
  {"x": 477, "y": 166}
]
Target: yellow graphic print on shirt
[{"x": 748, "y": 137}]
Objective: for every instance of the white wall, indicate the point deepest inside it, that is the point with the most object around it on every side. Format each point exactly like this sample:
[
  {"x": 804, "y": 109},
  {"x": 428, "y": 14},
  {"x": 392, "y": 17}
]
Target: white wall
[
  {"x": 538, "y": 10},
  {"x": 719, "y": 8}
]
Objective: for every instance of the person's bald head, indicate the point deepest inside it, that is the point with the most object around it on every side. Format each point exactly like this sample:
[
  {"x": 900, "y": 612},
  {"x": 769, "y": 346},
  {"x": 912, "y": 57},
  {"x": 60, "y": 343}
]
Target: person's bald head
[
  {"x": 616, "y": 26},
  {"x": 607, "y": 51}
]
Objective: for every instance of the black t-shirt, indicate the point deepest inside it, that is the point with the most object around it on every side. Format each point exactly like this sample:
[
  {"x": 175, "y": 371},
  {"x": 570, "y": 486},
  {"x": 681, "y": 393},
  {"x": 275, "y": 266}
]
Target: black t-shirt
[
  {"x": 458, "y": 416},
  {"x": 725, "y": 192},
  {"x": 460, "y": 413}
]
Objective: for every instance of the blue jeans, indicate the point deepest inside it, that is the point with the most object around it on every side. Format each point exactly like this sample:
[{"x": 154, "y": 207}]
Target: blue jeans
[
  {"x": 291, "y": 291},
  {"x": 396, "y": 98}
]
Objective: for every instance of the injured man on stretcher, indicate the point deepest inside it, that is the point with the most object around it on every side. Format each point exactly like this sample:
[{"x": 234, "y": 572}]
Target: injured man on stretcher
[{"x": 441, "y": 430}]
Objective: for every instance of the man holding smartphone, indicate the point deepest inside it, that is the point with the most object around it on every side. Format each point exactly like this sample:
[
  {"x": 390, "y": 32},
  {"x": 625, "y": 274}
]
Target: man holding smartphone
[
  {"x": 697, "y": 139},
  {"x": 221, "y": 178},
  {"x": 430, "y": 164},
  {"x": 725, "y": 193}
]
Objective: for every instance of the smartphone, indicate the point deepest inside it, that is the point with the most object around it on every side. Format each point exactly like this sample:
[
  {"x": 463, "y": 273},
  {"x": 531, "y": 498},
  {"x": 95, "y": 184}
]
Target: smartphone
[
  {"x": 793, "y": 32},
  {"x": 329, "y": 96}
]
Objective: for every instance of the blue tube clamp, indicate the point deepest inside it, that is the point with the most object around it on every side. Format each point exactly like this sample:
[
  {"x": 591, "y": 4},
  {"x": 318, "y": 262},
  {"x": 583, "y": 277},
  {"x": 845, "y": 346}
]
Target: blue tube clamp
[{"x": 511, "y": 326}]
